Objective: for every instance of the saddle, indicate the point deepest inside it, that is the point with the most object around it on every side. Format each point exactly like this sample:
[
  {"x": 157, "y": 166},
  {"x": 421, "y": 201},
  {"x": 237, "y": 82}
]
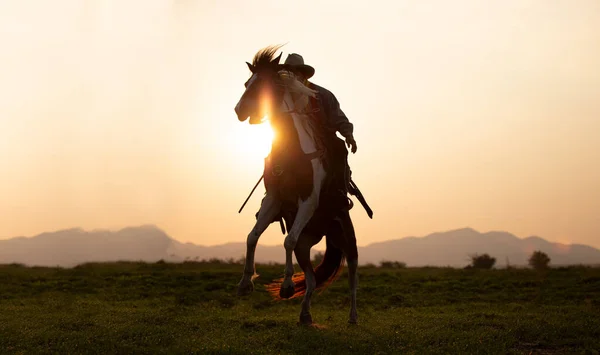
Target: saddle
[
  {"x": 293, "y": 176},
  {"x": 289, "y": 171}
]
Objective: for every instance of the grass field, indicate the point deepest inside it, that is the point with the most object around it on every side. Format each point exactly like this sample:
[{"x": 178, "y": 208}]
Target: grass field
[{"x": 193, "y": 308}]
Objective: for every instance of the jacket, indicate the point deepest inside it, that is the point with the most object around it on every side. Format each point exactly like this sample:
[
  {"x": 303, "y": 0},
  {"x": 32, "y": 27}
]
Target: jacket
[{"x": 330, "y": 112}]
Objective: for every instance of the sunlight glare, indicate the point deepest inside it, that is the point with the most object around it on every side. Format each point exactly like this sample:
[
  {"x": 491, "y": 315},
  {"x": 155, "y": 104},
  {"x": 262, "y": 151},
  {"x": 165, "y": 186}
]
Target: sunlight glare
[
  {"x": 265, "y": 103},
  {"x": 254, "y": 141}
]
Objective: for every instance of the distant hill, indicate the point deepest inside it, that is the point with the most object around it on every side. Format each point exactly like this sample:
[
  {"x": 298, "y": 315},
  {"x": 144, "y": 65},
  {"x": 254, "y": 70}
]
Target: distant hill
[
  {"x": 453, "y": 248},
  {"x": 75, "y": 246},
  {"x": 149, "y": 243}
]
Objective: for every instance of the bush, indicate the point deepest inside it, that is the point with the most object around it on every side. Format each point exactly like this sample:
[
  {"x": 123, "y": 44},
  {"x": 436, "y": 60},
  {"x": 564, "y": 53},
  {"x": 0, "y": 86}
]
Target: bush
[
  {"x": 539, "y": 260},
  {"x": 318, "y": 257},
  {"x": 392, "y": 264},
  {"x": 482, "y": 261}
]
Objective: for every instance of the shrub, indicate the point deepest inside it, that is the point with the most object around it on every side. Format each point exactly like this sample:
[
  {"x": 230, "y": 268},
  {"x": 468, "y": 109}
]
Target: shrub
[
  {"x": 318, "y": 257},
  {"x": 392, "y": 264},
  {"x": 539, "y": 260},
  {"x": 482, "y": 261}
]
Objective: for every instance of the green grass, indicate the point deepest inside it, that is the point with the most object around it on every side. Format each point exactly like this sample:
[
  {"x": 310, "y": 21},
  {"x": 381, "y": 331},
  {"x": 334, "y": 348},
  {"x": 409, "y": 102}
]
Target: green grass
[{"x": 192, "y": 308}]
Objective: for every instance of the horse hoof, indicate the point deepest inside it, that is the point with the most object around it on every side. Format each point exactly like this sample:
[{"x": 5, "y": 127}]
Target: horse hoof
[
  {"x": 287, "y": 290},
  {"x": 353, "y": 321},
  {"x": 244, "y": 289},
  {"x": 305, "y": 319}
]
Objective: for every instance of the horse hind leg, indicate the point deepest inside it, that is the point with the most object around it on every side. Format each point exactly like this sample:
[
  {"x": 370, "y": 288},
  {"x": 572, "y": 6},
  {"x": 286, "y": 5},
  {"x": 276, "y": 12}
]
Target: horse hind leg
[
  {"x": 343, "y": 233},
  {"x": 353, "y": 283},
  {"x": 269, "y": 209}
]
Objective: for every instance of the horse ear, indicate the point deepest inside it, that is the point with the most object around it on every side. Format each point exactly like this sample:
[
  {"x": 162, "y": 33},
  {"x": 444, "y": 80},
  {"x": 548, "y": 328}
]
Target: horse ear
[
  {"x": 276, "y": 60},
  {"x": 251, "y": 67}
]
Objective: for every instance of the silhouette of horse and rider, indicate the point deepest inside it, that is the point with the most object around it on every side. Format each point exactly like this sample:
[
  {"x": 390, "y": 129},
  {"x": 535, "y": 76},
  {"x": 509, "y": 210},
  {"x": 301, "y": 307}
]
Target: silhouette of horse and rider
[{"x": 306, "y": 177}]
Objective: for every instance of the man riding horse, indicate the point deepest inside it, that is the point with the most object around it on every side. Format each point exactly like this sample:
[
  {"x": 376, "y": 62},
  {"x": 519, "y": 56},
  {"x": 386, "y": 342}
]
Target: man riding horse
[
  {"x": 306, "y": 176},
  {"x": 330, "y": 119}
]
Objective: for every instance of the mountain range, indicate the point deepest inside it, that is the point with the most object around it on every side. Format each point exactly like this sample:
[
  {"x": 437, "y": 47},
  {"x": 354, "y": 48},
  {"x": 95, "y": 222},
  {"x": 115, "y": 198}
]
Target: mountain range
[{"x": 148, "y": 243}]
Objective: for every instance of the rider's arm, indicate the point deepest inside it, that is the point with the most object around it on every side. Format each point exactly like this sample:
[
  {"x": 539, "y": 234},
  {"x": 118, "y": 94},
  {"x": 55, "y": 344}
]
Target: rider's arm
[{"x": 337, "y": 118}]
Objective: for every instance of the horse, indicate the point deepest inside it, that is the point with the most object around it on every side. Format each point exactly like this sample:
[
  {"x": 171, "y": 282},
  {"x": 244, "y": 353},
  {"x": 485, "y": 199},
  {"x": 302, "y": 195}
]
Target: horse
[{"x": 296, "y": 181}]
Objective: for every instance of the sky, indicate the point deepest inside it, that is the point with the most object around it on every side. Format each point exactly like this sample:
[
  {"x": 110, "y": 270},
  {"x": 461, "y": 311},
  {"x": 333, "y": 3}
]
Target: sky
[{"x": 467, "y": 113}]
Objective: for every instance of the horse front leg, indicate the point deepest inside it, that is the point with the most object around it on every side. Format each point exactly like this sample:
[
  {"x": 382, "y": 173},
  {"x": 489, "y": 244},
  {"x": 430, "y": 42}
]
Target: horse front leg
[
  {"x": 302, "y": 252},
  {"x": 306, "y": 210},
  {"x": 305, "y": 213},
  {"x": 269, "y": 209}
]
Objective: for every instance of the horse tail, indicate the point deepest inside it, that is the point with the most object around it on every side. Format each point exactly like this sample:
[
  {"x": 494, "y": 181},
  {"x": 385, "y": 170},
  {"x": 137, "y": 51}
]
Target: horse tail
[
  {"x": 330, "y": 267},
  {"x": 326, "y": 272}
]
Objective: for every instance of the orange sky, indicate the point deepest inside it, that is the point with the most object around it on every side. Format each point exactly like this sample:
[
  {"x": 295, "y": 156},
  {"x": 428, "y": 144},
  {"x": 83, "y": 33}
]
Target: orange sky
[{"x": 467, "y": 113}]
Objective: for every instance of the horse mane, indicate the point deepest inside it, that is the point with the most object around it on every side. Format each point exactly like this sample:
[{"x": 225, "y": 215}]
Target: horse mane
[{"x": 263, "y": 57}]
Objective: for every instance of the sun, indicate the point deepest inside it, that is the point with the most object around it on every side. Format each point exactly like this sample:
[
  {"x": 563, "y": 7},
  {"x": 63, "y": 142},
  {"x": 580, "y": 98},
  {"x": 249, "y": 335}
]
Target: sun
[{"x": 254, "y": 141}]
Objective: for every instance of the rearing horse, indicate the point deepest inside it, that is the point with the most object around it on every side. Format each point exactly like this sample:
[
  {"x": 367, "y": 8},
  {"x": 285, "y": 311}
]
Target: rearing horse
[{"x": 296, "y": 181}]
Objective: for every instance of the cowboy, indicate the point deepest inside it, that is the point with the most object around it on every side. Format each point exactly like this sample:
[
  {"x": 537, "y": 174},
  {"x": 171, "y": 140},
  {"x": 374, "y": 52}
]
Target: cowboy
[{"x": 331, "y": 119}]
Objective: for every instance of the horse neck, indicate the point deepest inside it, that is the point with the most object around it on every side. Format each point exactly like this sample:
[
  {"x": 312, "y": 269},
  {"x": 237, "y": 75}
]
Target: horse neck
[{"x": 304, "y": 129}]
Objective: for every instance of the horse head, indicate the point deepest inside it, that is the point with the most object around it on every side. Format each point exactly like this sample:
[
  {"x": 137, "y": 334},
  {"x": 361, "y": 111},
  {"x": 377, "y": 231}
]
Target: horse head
[{"x": 263, "y": 89}]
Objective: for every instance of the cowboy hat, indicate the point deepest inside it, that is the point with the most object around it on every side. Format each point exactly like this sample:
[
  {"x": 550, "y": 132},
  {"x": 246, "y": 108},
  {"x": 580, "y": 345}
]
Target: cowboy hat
[{"x": 296, "y": 62}]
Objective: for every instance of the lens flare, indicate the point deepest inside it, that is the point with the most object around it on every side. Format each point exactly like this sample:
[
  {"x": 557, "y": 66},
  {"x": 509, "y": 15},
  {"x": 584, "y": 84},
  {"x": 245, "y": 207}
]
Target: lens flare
[
  {"x": 262, "y": 137},
  {"x": 265, "y": 101},
  {"x": 250, "y": 142}
]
